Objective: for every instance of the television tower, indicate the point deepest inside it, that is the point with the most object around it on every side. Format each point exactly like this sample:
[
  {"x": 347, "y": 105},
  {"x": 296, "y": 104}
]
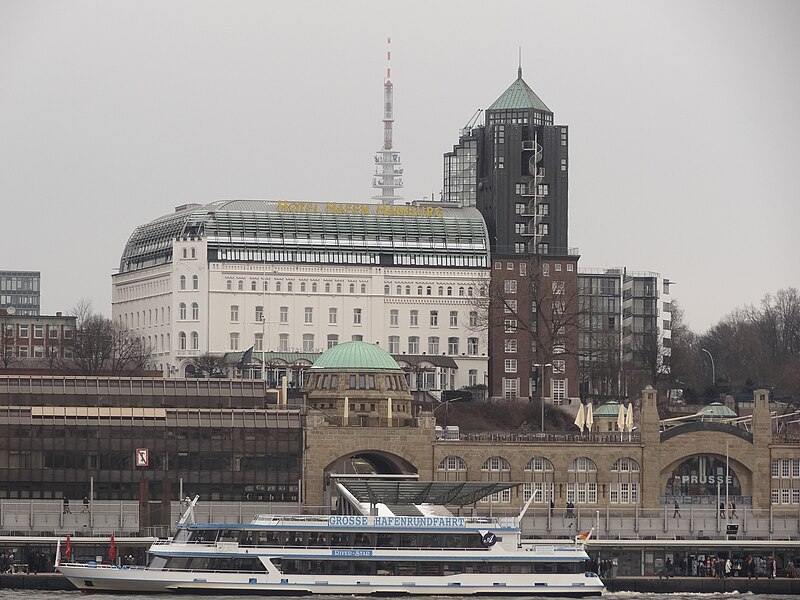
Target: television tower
[{"x": 388, "y": 172}]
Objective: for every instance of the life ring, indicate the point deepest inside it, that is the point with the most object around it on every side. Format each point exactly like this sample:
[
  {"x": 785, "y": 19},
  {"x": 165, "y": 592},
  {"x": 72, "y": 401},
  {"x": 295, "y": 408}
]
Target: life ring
[{"x": 489, "y": 539}]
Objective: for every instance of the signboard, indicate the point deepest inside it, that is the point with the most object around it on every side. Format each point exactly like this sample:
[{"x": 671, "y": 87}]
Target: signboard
[{"x": 142, "y": 457}]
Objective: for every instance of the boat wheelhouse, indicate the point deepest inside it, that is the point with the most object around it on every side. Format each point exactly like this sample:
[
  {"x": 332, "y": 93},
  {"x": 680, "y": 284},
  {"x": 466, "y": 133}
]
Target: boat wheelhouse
[{"x": 395, "y": 537}]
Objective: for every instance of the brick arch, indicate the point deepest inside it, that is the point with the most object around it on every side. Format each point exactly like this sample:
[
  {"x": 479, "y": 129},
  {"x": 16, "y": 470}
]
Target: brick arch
[
  {"x": 741, "y": 455},
  {"x": 382, "y": 461}
]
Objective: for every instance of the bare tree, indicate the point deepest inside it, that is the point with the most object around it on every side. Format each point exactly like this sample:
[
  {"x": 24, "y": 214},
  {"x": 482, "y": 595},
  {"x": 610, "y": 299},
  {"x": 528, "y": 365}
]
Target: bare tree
[
  {"x": 103, "y": 346},
  {"x": 7, "y": 335},
  {"x": 209, "y": 363}
]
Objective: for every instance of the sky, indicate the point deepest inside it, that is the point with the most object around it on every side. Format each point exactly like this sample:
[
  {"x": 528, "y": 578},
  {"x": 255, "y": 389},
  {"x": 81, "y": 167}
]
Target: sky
[{"x": 683, "y": 116}]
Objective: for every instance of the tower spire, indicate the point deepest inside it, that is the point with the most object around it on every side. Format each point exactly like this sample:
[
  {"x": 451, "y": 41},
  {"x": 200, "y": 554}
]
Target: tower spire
[
  {"x": 519, "y": 69},
  {"x": 388, "y": 172}
]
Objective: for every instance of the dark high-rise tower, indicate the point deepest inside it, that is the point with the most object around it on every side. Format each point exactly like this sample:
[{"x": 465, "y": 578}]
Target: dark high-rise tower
[{"x": 514, "y": 168}]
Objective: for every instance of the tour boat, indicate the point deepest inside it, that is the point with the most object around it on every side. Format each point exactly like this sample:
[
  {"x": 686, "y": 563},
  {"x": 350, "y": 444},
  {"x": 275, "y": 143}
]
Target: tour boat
[{"x": 426, "y": 551}]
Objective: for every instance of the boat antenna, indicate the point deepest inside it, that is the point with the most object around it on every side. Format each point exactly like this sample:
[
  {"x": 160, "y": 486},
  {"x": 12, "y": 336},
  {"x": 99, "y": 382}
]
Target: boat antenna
[{"x": 188, "y": 514}]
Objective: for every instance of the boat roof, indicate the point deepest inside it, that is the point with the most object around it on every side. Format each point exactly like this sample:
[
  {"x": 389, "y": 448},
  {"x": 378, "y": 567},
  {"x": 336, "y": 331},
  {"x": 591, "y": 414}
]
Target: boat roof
[{"x": 406, "y": 492}]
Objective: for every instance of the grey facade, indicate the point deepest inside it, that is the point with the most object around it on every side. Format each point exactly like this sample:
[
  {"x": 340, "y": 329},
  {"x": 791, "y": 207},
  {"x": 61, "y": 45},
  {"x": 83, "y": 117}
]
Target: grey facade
[{"x": 21, "y": 290}]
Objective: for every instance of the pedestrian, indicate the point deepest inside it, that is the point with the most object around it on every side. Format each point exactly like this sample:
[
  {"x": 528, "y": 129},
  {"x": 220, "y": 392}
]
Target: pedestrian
[
  {"x": 668, "y": 568},
  {"x": 733, "y": 511},
  {"x": 677, "y": 512},
  {"x": 570, "y": 507},
  {"x": 65, "y": 505},
  {"x": 728, "y": 567},
  {"x": 85, "y": 504},
  {"x": 722, "y": 510},
  {"x": 552, "y": 507}
]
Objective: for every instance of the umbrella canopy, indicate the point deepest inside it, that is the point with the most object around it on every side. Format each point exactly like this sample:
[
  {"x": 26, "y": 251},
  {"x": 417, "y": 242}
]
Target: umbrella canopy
[
  {"x": 589, "y": 416},
  {"x": 580, "y": 418},
  {"x": 629, "y": 417},
  {"x": 621, "y": 417},
  {"x": 346, "y": 411}
]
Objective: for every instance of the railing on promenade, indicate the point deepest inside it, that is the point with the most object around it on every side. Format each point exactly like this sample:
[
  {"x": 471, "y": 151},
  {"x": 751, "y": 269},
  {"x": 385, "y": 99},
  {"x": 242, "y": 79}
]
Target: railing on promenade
[
  {"x": 531, "y": 437},
  {"x": 690, "y": 522}
]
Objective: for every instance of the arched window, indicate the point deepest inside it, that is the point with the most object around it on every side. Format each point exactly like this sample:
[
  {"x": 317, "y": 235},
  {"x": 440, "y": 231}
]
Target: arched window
[
  {"x": 582, "y": 481},
  {"x": 624, "y": 488},
  {"x": 338, "y": 288},
  {"x": 314, "y": 288},
  {"x": 240, "y": 285},
  {"x": 253, "y": 285},
  {"x": 451, "y": 468},
  {"x": 195, "y": 341},
  {"x": 496, "y": 468},
  {"x": 302, "y": 286},
  {"x": 408, "y": 290},
  {"x": 195, "y": 312},
  {"x": 182, "y": 340},
  {"x": 352, "y": 288},
  {"x": 419, "y": 290},
  {"x": 327, "y": 288},
  {"x": 539, "y": 477},
  {"x": 194, "y": 254},
  {"x": 399, "y": 290},
  {"x": 461, "y": 291},
  {"x": 184, "y": 253},
  {"x": 428, "y": 291},
  {"x": 449, "y": 290},
  {"x": 182, "y": 311},
  {"x": 441, "y": 291},
  {"x": 183, "y": 282},
  {"x": 386, "y": 290},
  {"x": 363, "y": 288},
  {"x": 229, "y": 285}
]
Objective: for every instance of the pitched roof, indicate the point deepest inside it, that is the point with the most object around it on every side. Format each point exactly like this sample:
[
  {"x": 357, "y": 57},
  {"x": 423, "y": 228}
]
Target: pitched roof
[{"x": 519, "y": 96}]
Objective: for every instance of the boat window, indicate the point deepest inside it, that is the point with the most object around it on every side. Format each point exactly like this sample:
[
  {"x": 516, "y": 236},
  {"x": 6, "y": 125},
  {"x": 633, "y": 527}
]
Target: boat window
[
  {"x": 340, "y": 567},
  {"x": 182, "y": 536},
  {"x": 406, "y": 568},
  {"x": 246, "y": 538},
  {"x": 229, "y": 535},
  {"x": 341, "y": 539},
  {"x": 385, "y": 540},
  {"x": 317, "y": 539},
  {"x": 433, "y": 569},
  {"x": 157, "y": 563},
  {"x": 204, "y": 535},
  {"x": 294, "y": 538},
  {"x": 364, "y": 540},
  {"x": 544, "y": 567},
  {"x": 408, "y": 540}
]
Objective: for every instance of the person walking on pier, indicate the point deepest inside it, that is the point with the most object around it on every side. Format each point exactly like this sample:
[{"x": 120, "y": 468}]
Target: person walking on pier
[
  {"x": 677, "y": 512},
  {"x": 65, "y": 504},
  {"x": 733, "y": 514},
  {"x": 721, "y": 510}
]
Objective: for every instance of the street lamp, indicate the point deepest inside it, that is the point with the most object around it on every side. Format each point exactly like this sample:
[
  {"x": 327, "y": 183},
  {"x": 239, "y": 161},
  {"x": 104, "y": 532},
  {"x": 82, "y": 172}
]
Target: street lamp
[
  {"x": 446, "y": 410},
  {"x": 542, "y": 367},
  {"x": 713, "y": 373}
]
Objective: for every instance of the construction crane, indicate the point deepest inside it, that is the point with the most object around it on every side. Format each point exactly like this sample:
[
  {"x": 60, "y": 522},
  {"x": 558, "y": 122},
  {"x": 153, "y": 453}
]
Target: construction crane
[{"x": 468, "y": 127}]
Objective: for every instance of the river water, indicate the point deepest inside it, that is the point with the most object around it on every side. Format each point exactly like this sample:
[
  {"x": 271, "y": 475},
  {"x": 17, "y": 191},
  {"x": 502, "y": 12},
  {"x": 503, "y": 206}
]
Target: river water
[{"x": 48, "y": 595}]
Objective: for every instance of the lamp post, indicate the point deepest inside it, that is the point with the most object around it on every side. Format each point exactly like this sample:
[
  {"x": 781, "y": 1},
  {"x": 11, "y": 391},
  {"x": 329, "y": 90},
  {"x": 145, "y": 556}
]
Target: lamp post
[
  {"x": 542, "y": 366},
  {"x": 713, "y": 372},
  {"x": 446, "y": 410}
]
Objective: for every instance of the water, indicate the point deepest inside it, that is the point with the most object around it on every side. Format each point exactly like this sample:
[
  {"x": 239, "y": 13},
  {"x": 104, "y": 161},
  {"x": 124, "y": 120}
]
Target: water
[{"x": 49, "y": 595}]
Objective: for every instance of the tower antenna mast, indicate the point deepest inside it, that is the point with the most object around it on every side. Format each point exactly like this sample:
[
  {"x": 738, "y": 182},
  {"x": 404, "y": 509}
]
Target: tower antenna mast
[{"x": 388, "y": 171}]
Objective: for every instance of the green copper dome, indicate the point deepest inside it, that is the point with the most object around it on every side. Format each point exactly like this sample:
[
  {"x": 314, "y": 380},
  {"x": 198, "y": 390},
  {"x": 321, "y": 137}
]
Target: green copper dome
[
  {"x": 519, "y": 96},
  {"x": 356, "y": 356},
  {"x": 716, "y": 409},
  {"x": 609, "y": 409}
]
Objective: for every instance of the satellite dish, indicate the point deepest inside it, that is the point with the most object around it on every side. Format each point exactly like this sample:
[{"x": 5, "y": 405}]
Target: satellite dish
[{"x": 11, "y": 310}]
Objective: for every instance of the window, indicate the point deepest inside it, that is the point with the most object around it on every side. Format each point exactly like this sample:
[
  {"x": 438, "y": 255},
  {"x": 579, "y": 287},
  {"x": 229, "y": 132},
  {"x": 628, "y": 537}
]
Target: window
[
  {"x": 183, "y": 282},
  {"x": 472, "y": 378},
  {"x": 302, "y": 286},
  {"x": 433, "y": 345},
  {"x": 546, "y": 270},
  {"x": 399, "y": 290},
  {"x": 240, "y": 285},
  {"x": 453, "y": 318},
  {"x": 570, "y": 267},
  {"x": 352, "y": 288},
  {"x": 253, "y": 286},
  {"x": 559, "y": 387},
  {"x": 259, "y": 343},
  {"x": 23, "y": 331},
  {"x": 413, "y": 318},
  {"x": 519, "y": 208},
  {"x": 428, "y": 291},
  {"x": 510, "y": 325},
  {"x": 327, "y": 288},
  {"x": 259, "y": 313},
  {"x": 308, "y": 342},
  {"x": 559, "y": 366},
  {"x": 472, "y": 346},
  {"x": 184, "y": 253},
  {"x": 277, "y": 286},
  {"x": 544, "y": 229},
  {"x": 338, "y": 288},
  {"x": 511, "y": 365},
  {"x": 195, "y": 341},
  {"x": 23, "y": 352},
  {"x": 441, "y": 290},
  {"x": 434, "y": 318},
  {"x": 452, "y": 346},
  {"x": 509, "y": 266},
  {"x": 394, "y": 344},
  {"x": 195, "y": 311},
  {"x": 288, "y": 286},
  {"x": 394, "y": 318},
  {"x": 408, "y": 290},
  {"x": 510, "y": 387},
  {"x": 234, "y": 339},
  {"x": 563, "y": 164},
  {"x": 308, "y": 315},
  {"x": 413, "y": 345},
  {"x": 473, "y": 318},
  {"x": 667, "y": 325},
  {"x": 182, "y": 340},
  {"x": 558, "y": 287},
  {"x": 510, "y": 286},
  {"x": 283, "y": 342},
  {"x": 182, "y": 311},
  {"x": 333, "y": 316},
  {"x": 333, "y": 340},
  {"x": 363, "y": 288},
  {"x": 284, "y": 314},
  {"x": 38, "y": 332},
  {"x": 234, "y": 313},
  {"x": 357, "y": 316},
  {"x": 510, "y": 307},
  {"x": 266, "y": 286},
  {"x": 510, "y": 345}
]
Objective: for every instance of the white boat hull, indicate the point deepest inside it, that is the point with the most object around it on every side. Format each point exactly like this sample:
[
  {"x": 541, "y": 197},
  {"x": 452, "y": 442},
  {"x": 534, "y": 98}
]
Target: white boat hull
[{"x": 104, "y": 578}]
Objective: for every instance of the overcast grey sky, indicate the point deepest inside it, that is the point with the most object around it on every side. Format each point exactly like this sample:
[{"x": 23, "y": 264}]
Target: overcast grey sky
[{"x": 684, "y": 123}]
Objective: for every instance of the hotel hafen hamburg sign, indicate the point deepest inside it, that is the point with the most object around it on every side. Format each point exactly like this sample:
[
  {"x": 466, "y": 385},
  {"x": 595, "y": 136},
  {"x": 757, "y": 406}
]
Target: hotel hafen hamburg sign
[{"x": 346, "y": 208}]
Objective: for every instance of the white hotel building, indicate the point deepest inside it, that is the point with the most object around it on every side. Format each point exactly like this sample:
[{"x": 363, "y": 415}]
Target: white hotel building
[{"x": 292, "y": 279}]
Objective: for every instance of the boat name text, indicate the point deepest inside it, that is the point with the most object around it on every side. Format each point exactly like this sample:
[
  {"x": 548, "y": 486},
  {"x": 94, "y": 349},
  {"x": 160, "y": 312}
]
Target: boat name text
[{"x": 373, "y": 521}]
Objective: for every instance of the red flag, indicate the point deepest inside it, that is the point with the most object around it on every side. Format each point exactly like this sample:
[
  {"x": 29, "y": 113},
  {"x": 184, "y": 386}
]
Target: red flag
[
  {"x": 112, "y": 549},
  {"x": 68, "y": 549}
]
